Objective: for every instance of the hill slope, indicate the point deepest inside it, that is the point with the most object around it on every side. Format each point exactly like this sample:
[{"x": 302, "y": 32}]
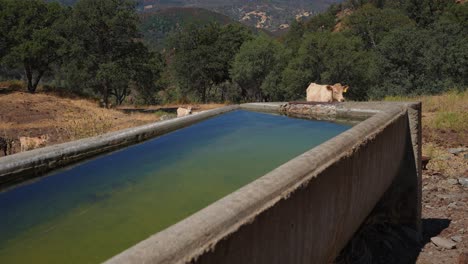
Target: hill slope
[
  {"x": 156, "y": 25},
  {"x": 272, "y": 15}
]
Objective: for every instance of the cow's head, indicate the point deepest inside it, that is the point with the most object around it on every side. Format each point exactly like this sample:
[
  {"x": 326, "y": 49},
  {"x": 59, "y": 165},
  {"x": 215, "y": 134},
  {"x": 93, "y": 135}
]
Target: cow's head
[
  {"x": 337, "y": 91},
  {"x": 44, "y": 138}
]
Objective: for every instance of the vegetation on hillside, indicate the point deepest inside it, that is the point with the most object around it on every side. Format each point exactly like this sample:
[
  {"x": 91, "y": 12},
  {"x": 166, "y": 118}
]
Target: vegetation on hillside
[
  {"x": 157, "y": 25},
  {"x": 378, "y": 47},
  {"x": 271, "y": 15},
  {"x": 91, "y": 48}
]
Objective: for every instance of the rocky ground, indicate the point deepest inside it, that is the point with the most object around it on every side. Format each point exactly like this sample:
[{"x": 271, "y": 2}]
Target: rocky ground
[
  {"x": 444, "y": 219},
  {"x": 445, "y": 206},
  {"x": 445, "y": 182},
  {"x": 444, "y": 195}
]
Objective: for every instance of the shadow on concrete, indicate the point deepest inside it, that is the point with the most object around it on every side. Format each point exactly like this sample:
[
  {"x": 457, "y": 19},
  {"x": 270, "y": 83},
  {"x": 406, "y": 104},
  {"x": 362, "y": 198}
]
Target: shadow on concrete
[{"x": 386, "y": 243}]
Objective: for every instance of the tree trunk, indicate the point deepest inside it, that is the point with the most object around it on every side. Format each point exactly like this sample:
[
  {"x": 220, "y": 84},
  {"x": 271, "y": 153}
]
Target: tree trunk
[
  {"x": 105, "y": 94},
  {"x": 204, "y": 95},
  {"x": 119, "y": 96},
  {"x": 29, "y": 76},
  {"x": 32, "y": 83}
]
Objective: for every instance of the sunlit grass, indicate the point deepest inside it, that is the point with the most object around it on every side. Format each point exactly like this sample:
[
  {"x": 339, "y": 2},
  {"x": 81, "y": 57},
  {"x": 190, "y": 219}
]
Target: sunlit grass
[{"x": 448, "y": 111}]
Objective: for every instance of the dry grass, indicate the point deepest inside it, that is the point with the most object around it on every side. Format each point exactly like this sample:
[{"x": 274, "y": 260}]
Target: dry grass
[
  {"x": 445, "y": 117},
  {"x": 448, "y": 111},
  {"x": 445, "y": 124},
  {"x": 77, "y": 118},
  {"x": 65, "y": 118}
]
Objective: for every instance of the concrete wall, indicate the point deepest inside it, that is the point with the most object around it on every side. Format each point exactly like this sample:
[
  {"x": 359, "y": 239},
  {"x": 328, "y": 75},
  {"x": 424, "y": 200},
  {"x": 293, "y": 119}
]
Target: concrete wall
[
  {"x": 21, "y": 167},
  {"x": 306, "y": 210}
]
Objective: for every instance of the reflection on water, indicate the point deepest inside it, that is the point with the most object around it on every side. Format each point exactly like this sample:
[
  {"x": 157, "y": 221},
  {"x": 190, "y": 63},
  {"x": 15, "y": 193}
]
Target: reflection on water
[{"x": 94, "y": 210}]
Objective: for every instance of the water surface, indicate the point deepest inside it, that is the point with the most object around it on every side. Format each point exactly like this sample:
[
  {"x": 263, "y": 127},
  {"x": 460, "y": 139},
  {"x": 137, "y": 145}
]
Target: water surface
[{"x": 92, "y": 211}]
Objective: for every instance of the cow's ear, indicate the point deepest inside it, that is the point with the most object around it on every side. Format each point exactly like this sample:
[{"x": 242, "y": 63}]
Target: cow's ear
[
  {"x": 329, "y": 87},
  {"x": 345, "y": 89}
]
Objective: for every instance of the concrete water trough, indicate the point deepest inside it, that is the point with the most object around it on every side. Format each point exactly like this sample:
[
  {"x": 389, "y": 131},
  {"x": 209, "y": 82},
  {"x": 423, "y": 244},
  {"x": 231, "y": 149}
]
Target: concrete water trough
[{"x": 304, "y": 211}]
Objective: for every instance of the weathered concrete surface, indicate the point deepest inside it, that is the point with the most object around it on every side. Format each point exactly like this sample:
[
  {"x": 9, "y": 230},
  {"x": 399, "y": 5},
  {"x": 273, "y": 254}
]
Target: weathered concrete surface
[
  {"x": 263, "y": 107},
  {"x": 23, "y": 166},
  {"x": 306, "y": 210}
]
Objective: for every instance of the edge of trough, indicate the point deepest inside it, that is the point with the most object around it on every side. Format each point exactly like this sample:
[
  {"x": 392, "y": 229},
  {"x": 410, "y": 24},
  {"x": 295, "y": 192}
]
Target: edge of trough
[
  {"x": 24, "y": 166},
  {"x": 199, "y": 233}
]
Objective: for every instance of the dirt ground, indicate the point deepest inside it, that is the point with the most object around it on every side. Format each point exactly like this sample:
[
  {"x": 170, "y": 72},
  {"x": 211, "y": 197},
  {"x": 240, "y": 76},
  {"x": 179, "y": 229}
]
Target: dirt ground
[
  {"x": 65, "y": 119},
  {"x": 445, "y": 204}
]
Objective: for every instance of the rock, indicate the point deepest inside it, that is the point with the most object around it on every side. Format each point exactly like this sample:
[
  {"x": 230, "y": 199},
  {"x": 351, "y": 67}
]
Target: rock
[
  {"x": 445, "y": 157},
  {"x": 424, "y": 161},
  {"x": 463, "y": 258},
  {"x": 452, "y": 181},
  {"x": 443, "y": 243},
  {"x": 457, "y": 239},
  {"x": 465, "y": 156},
  {"x": 448, "y": 196},
  {"x": 453, "y": 205},
  {"x": 455, "y": 151},
  {"x": 463, "y": 182},
  {"x": 166, "y": 117}
]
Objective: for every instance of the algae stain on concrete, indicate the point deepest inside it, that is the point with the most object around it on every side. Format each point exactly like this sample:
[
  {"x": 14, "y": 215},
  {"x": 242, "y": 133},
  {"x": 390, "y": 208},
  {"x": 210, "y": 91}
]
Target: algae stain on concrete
[{"x": 92, "y": 211}]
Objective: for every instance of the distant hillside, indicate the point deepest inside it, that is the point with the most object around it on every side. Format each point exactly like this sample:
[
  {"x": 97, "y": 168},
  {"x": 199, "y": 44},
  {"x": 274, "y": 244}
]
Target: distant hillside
[
  {"x": 156, "y": 25},
  {"x": 271, "y": 15}
]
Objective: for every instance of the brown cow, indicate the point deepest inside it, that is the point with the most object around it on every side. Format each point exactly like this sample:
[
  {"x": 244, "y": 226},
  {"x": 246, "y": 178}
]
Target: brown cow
[
  {"x": 326, "y": 93},
  {"x": 28, "y": 143}
]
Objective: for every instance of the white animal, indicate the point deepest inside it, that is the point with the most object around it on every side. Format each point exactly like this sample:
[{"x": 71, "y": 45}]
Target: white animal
[
  {"x": 28, "y": 143},
  {"x": 326, "y": 93},
  {"x": 181, "y": 111}
]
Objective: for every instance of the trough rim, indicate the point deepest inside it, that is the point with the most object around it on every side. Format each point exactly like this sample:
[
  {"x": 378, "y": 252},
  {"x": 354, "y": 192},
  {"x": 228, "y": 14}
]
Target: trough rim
[
  {"x": 199, "y": 233},
  {"x": 21, "y": 168}
]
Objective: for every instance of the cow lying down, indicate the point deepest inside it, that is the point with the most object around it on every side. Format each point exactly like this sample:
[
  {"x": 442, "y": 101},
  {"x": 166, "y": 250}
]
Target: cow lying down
[
  {"x": 181, "y": 111},
  {"x": 326, "y": 93}
]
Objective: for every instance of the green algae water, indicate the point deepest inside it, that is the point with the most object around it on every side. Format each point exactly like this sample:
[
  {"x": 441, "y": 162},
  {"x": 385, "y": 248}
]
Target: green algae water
[{"x": 94, "y": 210}]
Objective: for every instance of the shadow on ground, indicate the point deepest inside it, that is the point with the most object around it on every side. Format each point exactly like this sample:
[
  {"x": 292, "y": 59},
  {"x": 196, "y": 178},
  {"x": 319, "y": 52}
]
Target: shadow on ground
[
  {"x": 388, "y": 243},
  {"x": 6, "y": 90}
]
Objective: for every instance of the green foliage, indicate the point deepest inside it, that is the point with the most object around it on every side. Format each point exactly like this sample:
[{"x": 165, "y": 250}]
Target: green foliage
[
  {"x": 98, "y": 47},
  {"x": 257, "y": 69},
  {"x": 33, "y": 37},
  {"x": 203, "y": 55},
  {"x": 417, "y": 61},
  {"x": 426, "y": 12},
  {"x": 371, "y": 24},
  {"x": 293, "y": 38},
  {"x": 105, "y": 55},
  {"x": 331, "y": 58},
  {"x": 157, "y": 26},
  {"x": 148, "y": 75},
  {"x": 321, "y": 22}
]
